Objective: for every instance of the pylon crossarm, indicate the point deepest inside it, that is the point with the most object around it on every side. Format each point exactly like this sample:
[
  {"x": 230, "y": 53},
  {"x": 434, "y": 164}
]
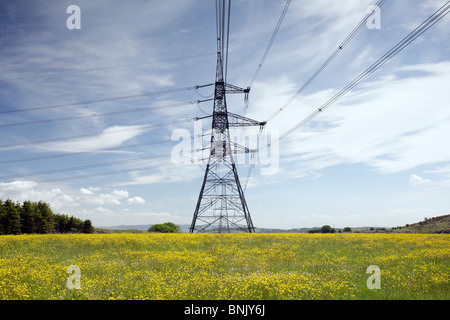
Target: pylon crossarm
[
  {"x": 237, "y": 148},
  {"x": 204, "y": 117},
  {"x": 230, "y": 88},
  {"x": 235, "y": 120}
]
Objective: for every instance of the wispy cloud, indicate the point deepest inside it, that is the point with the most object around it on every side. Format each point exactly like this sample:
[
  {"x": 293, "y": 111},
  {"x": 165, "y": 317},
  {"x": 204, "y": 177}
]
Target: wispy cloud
[
  {"x": 109, "y": 138},
  {"x": 393, "y": 125},
  {"x": 170, "y": 173}
]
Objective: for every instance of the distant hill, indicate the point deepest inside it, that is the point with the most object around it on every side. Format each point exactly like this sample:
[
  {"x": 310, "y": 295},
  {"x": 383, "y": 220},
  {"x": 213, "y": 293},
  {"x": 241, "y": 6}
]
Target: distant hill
[
  {"x": 440, "y": 224},
  {"x": 141, "y": 227},
  {"x": 185, "y": 229},
  {"x": 272, "y": 230}
]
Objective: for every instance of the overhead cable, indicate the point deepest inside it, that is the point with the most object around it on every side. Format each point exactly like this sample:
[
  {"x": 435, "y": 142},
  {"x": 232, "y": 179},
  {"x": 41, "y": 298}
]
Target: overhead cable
[
  {"x": 328, "y": 60},
  {"x": 89, "y": 166},
  {"x": 434, "y": 18},
  {"x": 71, "y": 104},
  {"x": 97, "y": 115},
  {"x": 107, "y": 173},
  {"x": 272, "y": 39},
  {"x": 67, "y": 154},
  {"x": 43, "y": 75},
  {"x": 88, "y": 135},
  {"x": 106, "y": 150}
]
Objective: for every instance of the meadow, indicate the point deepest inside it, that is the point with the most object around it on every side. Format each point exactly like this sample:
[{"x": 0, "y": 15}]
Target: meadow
[{"x": 225, "y": 266}]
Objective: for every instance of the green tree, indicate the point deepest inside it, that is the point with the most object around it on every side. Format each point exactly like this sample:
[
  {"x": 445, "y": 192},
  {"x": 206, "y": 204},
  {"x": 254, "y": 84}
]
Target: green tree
[
  {"x": 87, "y": 226},
  {"x": 2, "y": 218},
  {"x": 27, "y": 215},
  {"x": 37, "y": 217},
  {"x": 11, "y": 218},
  {"x": 167, "y": 227},
  {"x": 347, "y": 229},
  {"x": 75, "y": 225},
  {"x": 45, "y": 218},
  {"x": 61, "y": 223},
  {"x": 327, "y": 229}
]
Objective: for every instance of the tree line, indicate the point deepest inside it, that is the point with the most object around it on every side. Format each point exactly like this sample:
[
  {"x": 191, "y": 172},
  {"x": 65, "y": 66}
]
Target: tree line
[
  {"x": 37, "y": 217},
  {"x": 328, "y": 229}
]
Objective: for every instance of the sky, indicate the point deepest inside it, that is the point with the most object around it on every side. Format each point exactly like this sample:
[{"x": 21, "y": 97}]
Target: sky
[{"x": 93, "y": 118}]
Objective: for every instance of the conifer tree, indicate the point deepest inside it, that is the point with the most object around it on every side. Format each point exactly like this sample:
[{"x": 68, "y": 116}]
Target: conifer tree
[
  {"x": 46, "y": 224},
  {"x": 11, "y": 224},
  {"x": 27, "y": 215},
  {"x": 2, "y": 218}
]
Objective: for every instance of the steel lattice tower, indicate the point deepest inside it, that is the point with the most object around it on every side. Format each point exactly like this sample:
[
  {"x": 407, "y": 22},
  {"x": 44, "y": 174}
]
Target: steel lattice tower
[{"x": 221, "y": 205}]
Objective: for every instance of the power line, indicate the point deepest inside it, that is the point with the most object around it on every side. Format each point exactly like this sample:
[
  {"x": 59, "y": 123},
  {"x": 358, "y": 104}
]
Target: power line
[
  {"x": 328, "y": 60},
  {"x": 90, "y": 166},
  {"x": 434, "y": 18},
  {"x": 106, "y": 68},
  {"x": 104, "y": 100},
  {"x": 133, "y": 128},
  {"x": 228, "y": 40},
  {"x": 97, "y": 115},
  {"x": 223, "y": 17},
  {"x": 28, "y": 159},
  {"x": 321, "y": 68},
  {"x": 107, "y": 173},
  {"x": 99, "y": 165},
  {"x": 272, "y": 39},
  {"x": 83, "y": 152}
]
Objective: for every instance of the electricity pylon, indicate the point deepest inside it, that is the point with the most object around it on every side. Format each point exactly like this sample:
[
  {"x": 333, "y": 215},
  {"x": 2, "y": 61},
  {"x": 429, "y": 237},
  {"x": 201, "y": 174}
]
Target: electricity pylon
[{"x": 221, "y": 205}]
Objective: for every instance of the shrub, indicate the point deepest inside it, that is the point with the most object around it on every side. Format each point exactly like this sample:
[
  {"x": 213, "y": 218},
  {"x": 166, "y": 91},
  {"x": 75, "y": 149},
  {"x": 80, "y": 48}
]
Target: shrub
[
  {"x": 327, "y": 229},
  {"x": 167, "y": 227}
]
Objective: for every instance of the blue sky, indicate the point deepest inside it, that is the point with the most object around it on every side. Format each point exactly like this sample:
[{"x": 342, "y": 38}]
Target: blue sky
[{"x": 379, "y": 156}]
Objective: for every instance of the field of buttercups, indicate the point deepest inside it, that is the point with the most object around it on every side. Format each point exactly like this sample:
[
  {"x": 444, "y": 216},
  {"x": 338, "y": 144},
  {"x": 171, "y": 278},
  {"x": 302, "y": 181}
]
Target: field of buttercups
[{"x": 225, "y": 266}]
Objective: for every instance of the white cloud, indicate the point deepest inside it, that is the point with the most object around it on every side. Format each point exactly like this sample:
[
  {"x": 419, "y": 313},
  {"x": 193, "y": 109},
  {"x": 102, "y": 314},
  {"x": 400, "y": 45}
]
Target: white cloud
[
  {"x": 136, "y": 200},
  {"x": 17, "y": 186},
  {"x": 32, "y": 191},
  {"x": 394, "y": 124},
  {"x": 103, "y": 210},
  {"x": 139, "y": 180},
  {"x": 109, "y": 138},
  {"x": 66, "y": 198},
  {"x": 166, "y": 174},
  {"x": 86, "y": 191},
  {"x": 108, "y": 198},
  {"x": 120, "y": 194},
  {"x": 416, "y": 180}
]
